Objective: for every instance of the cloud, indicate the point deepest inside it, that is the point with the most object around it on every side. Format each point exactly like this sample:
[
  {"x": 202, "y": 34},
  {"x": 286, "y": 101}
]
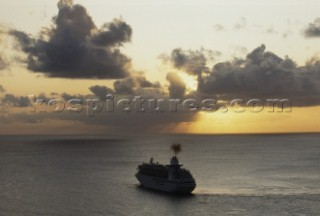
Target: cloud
[
  {"x": 101, "y": 91},
  {"x": 271, "y": 30},
  {"x": 192, "y": 62},
  {"x": 16, "y": 101},
  {"x": 177, "y": 87},
  {"x": 11, "y": 100},
  {"x": 261, "y": 74},
  {"x": 67, "y": 96},
  {"x": 313, "y": 29},
  {"x": 75, "y": 48},
  {"x": 133, "y": 84},
  {"x": 219, "y": 28},
  {"x": 237, "y": 26},
  {"x": 113, "y": 34},
  {"x": 65, "y": 3}
]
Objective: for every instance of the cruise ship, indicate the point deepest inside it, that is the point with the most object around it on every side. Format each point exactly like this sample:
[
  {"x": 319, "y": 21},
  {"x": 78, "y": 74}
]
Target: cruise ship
[{"x": 169, "y": 178}]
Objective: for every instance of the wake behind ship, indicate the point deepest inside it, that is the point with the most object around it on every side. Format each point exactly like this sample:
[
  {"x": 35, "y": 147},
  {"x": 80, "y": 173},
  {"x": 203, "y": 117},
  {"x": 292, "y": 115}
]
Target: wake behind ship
[{"x": 169, "y": 178}]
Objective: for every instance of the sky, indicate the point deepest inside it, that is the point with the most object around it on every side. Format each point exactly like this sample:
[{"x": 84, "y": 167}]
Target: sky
[{"x": 219, "y": 50}]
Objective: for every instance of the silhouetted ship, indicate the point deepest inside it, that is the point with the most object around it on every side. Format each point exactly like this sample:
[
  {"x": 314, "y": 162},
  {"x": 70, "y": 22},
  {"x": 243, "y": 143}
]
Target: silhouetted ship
[{"x": 169, "y": 178}]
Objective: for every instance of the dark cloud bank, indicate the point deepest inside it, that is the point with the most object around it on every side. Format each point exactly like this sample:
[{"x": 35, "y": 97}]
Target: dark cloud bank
[
  {"x": 261, "y": 74},
  {"x": 17, "y": 101},
  {"x": 74, "y": 47}
]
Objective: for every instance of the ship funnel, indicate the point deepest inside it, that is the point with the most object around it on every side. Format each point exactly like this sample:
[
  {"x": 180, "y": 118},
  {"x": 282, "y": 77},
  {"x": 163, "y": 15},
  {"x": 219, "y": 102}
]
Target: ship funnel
[{"x": 176, "y": 148}]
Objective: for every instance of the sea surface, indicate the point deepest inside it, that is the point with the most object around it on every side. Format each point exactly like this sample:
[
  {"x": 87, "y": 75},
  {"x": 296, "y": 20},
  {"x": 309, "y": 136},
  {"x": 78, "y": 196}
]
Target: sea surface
[{"x": 90, "y": 176}]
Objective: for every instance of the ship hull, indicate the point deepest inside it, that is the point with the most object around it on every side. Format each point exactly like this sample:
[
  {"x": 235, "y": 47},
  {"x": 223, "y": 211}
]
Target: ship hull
[{"x": 184, "y": 186}]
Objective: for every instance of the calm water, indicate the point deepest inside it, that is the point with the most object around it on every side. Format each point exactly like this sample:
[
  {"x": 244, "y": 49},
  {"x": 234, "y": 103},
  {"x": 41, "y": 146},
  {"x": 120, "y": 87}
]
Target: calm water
[{"x": 236, "y": 175}]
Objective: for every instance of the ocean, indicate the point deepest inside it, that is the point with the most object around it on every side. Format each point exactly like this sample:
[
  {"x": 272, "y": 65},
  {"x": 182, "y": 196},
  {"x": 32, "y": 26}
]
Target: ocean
[{"x": 90, "y": 176}]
